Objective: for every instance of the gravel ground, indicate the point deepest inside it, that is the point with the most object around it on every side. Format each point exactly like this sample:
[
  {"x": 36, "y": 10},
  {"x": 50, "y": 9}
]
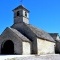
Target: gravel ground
[{"x": 31, "y": 57}]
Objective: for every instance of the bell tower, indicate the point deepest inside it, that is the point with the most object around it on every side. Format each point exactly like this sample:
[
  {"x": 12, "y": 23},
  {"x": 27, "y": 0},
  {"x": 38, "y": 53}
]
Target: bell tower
[{"x": 21, "y": 14}]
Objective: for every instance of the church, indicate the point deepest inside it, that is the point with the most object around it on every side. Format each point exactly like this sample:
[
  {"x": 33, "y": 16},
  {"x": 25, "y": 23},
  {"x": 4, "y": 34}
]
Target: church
[{"x": 24, "y": 39}]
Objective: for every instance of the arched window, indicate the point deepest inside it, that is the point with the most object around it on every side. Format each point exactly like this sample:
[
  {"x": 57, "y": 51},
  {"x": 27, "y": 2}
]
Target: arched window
[
  {"x": 18, "y": 13},
  {"x": 26, "y": 14}
]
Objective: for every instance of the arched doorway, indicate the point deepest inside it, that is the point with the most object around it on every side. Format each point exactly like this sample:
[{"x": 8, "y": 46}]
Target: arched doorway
[{"x": 8, "y": 47}]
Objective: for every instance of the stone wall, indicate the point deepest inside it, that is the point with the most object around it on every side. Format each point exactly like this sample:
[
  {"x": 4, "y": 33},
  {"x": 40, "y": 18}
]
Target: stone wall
[
  {"x": 45, "y": 47},
  {"x": 9, "y": 35},
  {"x": 26, "y": 48}
]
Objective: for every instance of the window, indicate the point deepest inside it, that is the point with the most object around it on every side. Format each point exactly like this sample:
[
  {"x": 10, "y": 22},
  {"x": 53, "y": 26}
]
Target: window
[
  {"x": 26, "y": 14},
  {"x": 18, "y": 13}
]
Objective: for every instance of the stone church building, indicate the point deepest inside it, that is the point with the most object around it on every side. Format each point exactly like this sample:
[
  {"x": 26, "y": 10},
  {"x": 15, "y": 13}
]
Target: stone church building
[
  {"x": 56, "y": 37},
  {"x": 24, "y": 39}
]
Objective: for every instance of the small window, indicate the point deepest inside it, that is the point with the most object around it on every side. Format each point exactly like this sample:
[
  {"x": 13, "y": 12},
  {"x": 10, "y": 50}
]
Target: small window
[
  {"x": 26, "y": 14},
  {"x": 18, "y": 13}
]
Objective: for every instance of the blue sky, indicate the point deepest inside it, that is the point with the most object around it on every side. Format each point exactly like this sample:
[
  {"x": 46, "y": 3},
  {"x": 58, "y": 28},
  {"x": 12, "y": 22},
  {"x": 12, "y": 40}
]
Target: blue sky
[{"x": 44, "y": 14}]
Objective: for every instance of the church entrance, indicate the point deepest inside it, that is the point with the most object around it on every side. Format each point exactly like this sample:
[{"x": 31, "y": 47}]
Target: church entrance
[{"x": 8, "y": 47}]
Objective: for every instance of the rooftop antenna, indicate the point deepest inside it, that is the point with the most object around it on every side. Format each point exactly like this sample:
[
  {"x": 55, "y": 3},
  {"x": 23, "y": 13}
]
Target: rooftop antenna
[{"x": 21, "y": 1}]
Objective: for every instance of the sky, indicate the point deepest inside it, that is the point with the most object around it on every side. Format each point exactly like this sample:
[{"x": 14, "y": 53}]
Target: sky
[{"x": 44, "y": 14}]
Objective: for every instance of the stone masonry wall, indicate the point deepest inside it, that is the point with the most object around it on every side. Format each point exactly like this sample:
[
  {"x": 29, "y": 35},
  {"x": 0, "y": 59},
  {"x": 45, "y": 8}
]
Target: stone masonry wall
[
  {"x": 45, "y": 47},
  {"x": 26, "y": 48}
]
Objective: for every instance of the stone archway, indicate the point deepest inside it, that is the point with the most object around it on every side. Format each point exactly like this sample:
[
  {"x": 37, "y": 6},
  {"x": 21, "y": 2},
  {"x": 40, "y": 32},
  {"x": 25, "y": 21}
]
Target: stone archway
[{"x": 8, "y": 47}]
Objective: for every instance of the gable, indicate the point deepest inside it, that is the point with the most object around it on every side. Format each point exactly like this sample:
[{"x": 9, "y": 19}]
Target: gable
[
  {"x": 9, "y": 35},
  {"x": 20, "y": 35},
  {"x": 13, "y": 33}
]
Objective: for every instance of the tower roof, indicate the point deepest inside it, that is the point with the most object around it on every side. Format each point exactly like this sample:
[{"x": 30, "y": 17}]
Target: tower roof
[{"x": 21, "y": 7}]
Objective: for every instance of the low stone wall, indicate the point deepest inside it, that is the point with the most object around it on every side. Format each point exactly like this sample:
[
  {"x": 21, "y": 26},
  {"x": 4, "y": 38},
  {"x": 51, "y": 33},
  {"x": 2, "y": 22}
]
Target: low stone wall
[{"x": 32, "y": 57}]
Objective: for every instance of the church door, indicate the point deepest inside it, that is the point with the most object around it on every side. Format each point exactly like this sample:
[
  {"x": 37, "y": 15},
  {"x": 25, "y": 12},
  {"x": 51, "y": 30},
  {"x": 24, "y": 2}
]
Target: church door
[{"x": 8, "y": 47}]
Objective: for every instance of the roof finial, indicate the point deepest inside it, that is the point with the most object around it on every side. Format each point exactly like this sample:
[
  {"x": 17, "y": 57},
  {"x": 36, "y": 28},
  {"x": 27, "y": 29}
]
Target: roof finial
[{"x": 21, "y": 1}]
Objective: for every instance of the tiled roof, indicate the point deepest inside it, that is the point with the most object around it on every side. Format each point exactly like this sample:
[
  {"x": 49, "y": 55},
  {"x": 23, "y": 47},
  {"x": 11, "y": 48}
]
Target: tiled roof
[
  {"x": 19, "y": 34},
  {"x": 27, "y": 29},
  {"x": 41, "y": 33},
  {"x": 54, "y": 35},
  {"x": 20, "y": 7}
]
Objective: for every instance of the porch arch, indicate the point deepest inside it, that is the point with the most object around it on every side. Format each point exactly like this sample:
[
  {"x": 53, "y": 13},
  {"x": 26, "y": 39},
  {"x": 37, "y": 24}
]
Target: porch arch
[{"x": 8, "y": 47}]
